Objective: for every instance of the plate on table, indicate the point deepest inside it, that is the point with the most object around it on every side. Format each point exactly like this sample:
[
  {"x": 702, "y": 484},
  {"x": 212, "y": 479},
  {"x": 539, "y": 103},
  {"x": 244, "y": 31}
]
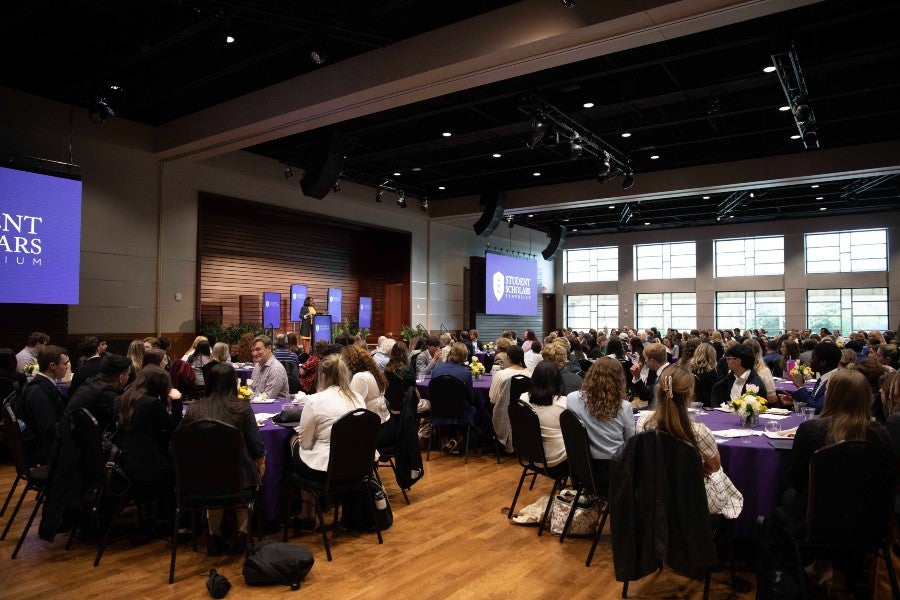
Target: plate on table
[
  {"x": 787, "y": 434},
  {"x": 263, "y": 401},
  {"x": 777, "y": 411}
]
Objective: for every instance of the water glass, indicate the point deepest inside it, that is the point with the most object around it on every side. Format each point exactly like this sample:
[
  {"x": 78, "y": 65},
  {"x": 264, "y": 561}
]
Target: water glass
[
  {"x": 798, "y": 407},
  {"x": 287, "y": 406},
  {"x": 809, "y": 413},
  {"x": 773, "y": 426}
]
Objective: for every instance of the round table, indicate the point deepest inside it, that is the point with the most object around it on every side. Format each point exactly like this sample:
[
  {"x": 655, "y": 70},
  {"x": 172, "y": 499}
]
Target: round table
[{"x": 278, "y": 455}]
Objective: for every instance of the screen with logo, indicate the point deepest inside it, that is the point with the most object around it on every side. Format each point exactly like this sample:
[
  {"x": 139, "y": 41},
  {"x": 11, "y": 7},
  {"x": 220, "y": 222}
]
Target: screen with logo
[
  {"x": 365, "y": 312},
  {"x": 271, "y": 310},
  {"x": 40, "y": 237},
  {"x": 335, "y": 295},
  {"x": 511, "y": 285},
  {"x": 321, "y": 328},
  {"x": 298, "y": 295}
]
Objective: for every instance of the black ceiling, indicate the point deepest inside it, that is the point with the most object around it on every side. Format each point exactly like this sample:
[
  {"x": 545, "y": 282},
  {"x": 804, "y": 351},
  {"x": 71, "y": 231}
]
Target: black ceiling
[{"x": 691, "y": 101}]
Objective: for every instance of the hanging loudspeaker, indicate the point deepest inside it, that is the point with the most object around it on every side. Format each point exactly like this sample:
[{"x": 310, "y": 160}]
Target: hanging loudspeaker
[
  {"x": 319, "y": 177},
  {"x": 557, "y": 237},
  {"x": 493, "y": 203}
]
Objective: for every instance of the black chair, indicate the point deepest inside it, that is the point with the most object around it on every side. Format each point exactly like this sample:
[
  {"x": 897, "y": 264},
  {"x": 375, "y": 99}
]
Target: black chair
[
  {"x": 353, "y": 440},
  {"x": 407, "y": 433},
  {"x": 526, "y": 432},
  {"x": 659, "y": 513},
  {"x": 209, "y": 473},
  {"x": 395, "y": 392},
  {"x": 584, "y": 476},
  {"x": 449, "y": 408},
  {"x": 850, "y": 504},
  {"x": 35, "y": 477},
  {"x": 88, "y": 437}
]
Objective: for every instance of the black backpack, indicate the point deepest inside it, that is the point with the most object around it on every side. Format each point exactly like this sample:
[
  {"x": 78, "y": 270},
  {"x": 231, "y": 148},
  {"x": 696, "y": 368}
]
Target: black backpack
[
  {"x": 275, "y": 563},
  {"x": 777, "y": 571},
  {"x": 356, "y": 511}
]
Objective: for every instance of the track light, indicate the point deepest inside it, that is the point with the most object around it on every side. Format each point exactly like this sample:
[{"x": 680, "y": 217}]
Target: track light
[
  {"x": 424, "y": 205},
  {"x": 288, "y": 172},
  {"x": 317, "y": 56},
  {"x": 538, "y": 129},
  {"x": 801, "y": 109},
  {"x": 106, "y": 103},
  {"x": 337, "y": 186},
  {"x": 575, "y": 147},
  {"x": 569, "y": 3},
  {"x": 401, "y": 199},
  {"x": 628, "y": 181},
  {"x": 510, "y": 220},
  {"x": 605, "y": 173},
  {"x": 379, "y": 195}
]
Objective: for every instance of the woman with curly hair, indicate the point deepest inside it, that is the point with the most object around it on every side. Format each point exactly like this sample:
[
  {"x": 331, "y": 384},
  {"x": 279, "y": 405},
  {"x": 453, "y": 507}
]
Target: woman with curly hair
[
  {"x": 601, "y": 406},
  {"x": 370, "y": 383},
  {"x": 245, "y": 349}
]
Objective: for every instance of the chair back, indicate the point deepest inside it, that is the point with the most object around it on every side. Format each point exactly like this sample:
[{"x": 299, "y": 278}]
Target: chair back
[
  {"x": 209, "y": 462},
  {"x": 851, "y": 495},
  {"x": 88, "y": 437},
  {"x": 395, "y": 392},
  {"x": 353, "y": 439},
  {"x": 447, "y": 395},
  {"x": 578, "y": 453},
  {"x": 526, "y": 434},
  {"x": 518, "y": 385},
  {"x": 15, "y": 441}
]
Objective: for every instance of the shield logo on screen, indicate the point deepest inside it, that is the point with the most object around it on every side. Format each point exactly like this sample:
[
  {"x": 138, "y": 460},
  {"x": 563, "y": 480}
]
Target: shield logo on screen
[
  {"x": 498, "y": 285},
  {"x": 267, "y": 304},
  {"x": 293, "y": 296}
]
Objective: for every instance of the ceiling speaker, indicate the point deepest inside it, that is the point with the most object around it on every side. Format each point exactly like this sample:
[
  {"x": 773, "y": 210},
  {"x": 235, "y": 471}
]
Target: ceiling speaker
[
  {"x": 320, "y": 177},
  {"x": 557, "y": 237},
  {"x": 493, "y": 203}
]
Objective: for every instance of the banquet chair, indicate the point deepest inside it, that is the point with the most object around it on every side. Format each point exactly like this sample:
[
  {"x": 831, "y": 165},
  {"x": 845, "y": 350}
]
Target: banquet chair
[
  {"x": 518, "y": 385},
  {"x": 526, "y": 434},
  {"x": 35, "y": 477},
  {"x": 584, "y": 476},
  {"x": 850, "y": 504},
  {"x": 405, "y": 449},
  {"x": 449, "y": 408},
  {"x": 209, "y": 473},
  {"x": 658, "y": 509},
  {"x": 353, "y": 440}
]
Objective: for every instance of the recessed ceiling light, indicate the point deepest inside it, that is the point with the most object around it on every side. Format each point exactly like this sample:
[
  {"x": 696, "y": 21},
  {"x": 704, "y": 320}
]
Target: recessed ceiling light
[
  {"x": 626, "y": 134},
  {"x": 706, "y": 197},
  {"x": 446, "y": 134},
  {"x": 814, "y": 186},
  {"x": 416, "y": 169},
  {"x": 531, "y": 215},
  {"x": 795, "y": 137},
  {"x": 784, "y": 108},
  {"x": 440, "y": 187},
  {"x": 824, "y": 208},
  {"x": 820, "y": 198},
  {"x": 397, "y": 174},
  {"x": 730, "y": 216},
  {"x": 588, "y": 105},
  {"x": 769, "y": 69},
  {"x": 229, "y": 39},
  {"x": 565, "y": 220},
  {"x": 646, "y": 222},
  {"x": 536, "y": 174},
  {"x": 612, "y": 206},
  {"x": 574, "y": 229},
  {"x": 654, "y": 156},
  {"x": 496, "y": 155}
]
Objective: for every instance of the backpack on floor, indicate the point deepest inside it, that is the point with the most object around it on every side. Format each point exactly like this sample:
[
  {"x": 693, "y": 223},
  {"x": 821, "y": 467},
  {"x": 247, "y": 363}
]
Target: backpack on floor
[{"x": 275, "y": 563}]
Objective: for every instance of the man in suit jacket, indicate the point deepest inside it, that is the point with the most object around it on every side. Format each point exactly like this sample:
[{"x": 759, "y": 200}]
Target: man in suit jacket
[
  {"x": 656, "y": 358},
  {"x": 740, "y": 359},
  {"x": 42, "y": 403},
  {"x": 89, "y": 366},
  {"x": 824, "y": 360}
]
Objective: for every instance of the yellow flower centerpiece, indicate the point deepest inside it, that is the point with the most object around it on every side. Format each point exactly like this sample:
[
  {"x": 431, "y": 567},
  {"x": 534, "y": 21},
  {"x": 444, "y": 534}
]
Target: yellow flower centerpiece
[
  {"x": 244, "y": 392},
  {"x": 30, "y": 369},
  {"x": 749, "y": 405},
  {"x": 803, "y": 370},
  {"x": 476, "y": 367},
  {"x": 488, "y": 346}
]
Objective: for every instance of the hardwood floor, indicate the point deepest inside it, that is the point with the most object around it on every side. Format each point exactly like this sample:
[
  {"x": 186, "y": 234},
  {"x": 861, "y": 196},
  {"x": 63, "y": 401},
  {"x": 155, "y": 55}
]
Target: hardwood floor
[{"x": 452, "y": 542}]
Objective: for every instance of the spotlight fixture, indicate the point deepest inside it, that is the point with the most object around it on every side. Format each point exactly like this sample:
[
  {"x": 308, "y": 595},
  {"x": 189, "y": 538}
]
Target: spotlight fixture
[
  {"x": 510, "y": 220},
  {"x": 569, "y": 3},
  {"x": 424, "y": 205},
  {"x": 229, "y": 39},
  {"x": 606, "y": 172},
  {"x": 337, "y": 186},
  {"x": 538, "y": 128},
  {"x": 800, "y": 109},
  {"x": 575, "y": 147},
  {"x": 288, "y": 171},
  {"x": 106, "y": 103},
  {"x": 379, "y": 195},
  {"x": 628, "y": 181},
  {"x": 317, "y": 56},
  {"x": 401, "y": 199},
  {"x": 790, "y": 76}
]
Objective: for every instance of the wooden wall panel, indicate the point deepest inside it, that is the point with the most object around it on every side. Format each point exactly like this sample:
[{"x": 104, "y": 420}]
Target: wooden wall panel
[{"x": 245, "y": 249}]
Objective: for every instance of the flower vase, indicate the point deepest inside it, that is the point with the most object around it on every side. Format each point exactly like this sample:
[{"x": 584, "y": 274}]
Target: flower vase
[
  {"x": 749, "y": 420},
  {"x": 478, "y": 376}
]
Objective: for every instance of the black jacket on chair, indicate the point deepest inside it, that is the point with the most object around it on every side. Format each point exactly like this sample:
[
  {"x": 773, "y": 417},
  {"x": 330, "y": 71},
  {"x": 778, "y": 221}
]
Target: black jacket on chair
[{"x": 658, "y": 508}]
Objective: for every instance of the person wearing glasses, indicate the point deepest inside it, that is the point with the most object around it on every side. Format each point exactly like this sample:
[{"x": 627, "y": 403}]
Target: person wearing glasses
[
  {"x": 740, "y": 360},
  {"x": 42, "y": 404}
]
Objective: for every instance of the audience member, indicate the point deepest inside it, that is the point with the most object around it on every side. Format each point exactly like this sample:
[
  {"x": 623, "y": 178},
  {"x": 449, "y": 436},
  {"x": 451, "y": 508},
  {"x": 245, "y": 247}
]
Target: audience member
[
  {"x": 99, "y": 393},
  {"x": 42, "y": 404},
  {"x": 824, "y": 361},
  {"x": 269, "y": 376},
  {"x": 740, "y": 360},
  {"x": 89, "y": 347},
  {"x": 429, "y": 357},
  {"x": 28, "y": 355},
  {"x": 499, "y": 395},
  {"x": 703, "y": 367},
  {"x": 285, "y": 356},
  {"x": 546, "y": 400},
  {"x": 556, "y": 353},
  {"x": 370, "y": 383}
]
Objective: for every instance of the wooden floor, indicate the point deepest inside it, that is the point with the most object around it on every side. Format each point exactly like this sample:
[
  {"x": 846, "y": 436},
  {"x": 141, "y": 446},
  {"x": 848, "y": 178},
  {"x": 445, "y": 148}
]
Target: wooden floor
[{"x": 452, "y": 542}]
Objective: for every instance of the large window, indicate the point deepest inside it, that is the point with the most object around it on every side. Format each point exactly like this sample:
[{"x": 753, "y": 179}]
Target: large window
[
  {"x": 592, "y": 264},
  {"x": 746, "y": 257},
  {"x": 847, "y": 309},
  {"x": 750, "y": 310},
  {"x": 592, "y": 311},
  {"x": 676, "y": 309},
  {"x": 665, "y": 261},
  {"x": 846, "y": 251}
]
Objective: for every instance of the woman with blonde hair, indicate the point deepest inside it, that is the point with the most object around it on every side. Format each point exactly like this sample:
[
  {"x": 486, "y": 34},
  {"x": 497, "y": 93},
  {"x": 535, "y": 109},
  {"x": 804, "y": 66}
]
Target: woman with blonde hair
[
  {"x": 197, "y": 340},
  {"x": 703, "y": 367},
  {"x": 135, "y": 354},
  {"x": 601, "y": 406},
  {"x": 674, "y": 392},
  {"x": 763, "y": 371}
]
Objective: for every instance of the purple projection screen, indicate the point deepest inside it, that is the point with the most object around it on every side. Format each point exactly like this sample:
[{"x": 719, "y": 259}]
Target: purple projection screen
[
  {"x": 335, "y": 296},
  {"x": 321, "y": 328},
  {"x": 40, "y": 237},
  {"x": 365, "y": 312},
  {"x": 511, "y": 285},
  {"x": 271, "y": 310},
  {"x": 298, "y": 295}
]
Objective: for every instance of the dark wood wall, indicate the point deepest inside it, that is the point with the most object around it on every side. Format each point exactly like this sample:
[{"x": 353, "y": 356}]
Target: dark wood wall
[{"x": 246, "y": 248}]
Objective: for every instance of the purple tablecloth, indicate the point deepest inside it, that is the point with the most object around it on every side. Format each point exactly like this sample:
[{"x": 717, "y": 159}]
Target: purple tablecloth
[
  {"x": 786, "y": 385},
  {"x": 276, "y": 439},
  {"x": 757, "y": 469},
  {"x": 481, "y": 388},
  {"x": 244, "y": 373}
]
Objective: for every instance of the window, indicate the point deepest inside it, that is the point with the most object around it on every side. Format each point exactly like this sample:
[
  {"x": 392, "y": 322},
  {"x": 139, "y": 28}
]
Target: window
[
  {"x": 746, "y": 257},
  {"x": 592, "y": 311},
  {"x": 846, "y": 251},
  {"x": 678, "y": 310},
  {"x": 750, "y": 310},
  {"x": 847, "y": 309},
  {"x": 592, "y": 264},
  {"x": 665, "y": 261}
]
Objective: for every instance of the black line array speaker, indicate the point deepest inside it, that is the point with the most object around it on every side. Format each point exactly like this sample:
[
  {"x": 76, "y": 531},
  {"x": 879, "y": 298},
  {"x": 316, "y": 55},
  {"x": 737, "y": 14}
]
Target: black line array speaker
[
  {"x": 321, "y": 175},
  {"x": 557, "y": 237},
  {"x": 493, "y": 203}
]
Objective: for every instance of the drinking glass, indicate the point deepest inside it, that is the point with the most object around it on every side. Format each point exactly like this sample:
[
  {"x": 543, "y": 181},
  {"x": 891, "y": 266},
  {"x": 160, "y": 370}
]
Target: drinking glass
[
  {"x": 773, "y": 426},
  {"x": 809, "y": 413},
  {"x": 798, "y": 407},
  {"x": 287, "y": 406}
]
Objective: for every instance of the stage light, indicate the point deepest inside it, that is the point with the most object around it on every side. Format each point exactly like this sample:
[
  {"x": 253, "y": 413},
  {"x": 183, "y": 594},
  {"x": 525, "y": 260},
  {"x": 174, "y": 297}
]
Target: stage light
[
  {"x": 401, "y": 199},
  {"x": 510, "y": 220},
  {"x": 628, "y": 181},
  {"x": 424, "y": 205},
  {"x": 288, "y": 172},
  {"x": 575, "y": 148},
  {"x": 379, "y": 195},
  {"x": 336, "y": 187},
  {"x": 538, "y": 129}
]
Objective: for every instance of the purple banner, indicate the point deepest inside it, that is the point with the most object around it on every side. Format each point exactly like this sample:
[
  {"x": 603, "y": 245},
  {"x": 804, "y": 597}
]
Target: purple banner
[
  {"x": 511, "y": 286},
  {"x": 365, "y": 312},
  {"x": 335, "y": 296},
  {"x": 271, "y": 310},
  {"x": 298, "y": 295},
  {"x": 40, "y": 238}
]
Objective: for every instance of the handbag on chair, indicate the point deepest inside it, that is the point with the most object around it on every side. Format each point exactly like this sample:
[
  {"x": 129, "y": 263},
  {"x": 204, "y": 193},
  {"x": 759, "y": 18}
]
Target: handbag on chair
[{"x": 587, "y": 514}]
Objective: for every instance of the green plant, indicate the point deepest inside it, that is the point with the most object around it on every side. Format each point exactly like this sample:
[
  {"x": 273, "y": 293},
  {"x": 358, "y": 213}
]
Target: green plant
[
  {"x": 233, "y": 333},
  {"x": 212, "y": 330},
  {"x": 408, "y": 333},
  {"x": 351, "y": 327}
]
